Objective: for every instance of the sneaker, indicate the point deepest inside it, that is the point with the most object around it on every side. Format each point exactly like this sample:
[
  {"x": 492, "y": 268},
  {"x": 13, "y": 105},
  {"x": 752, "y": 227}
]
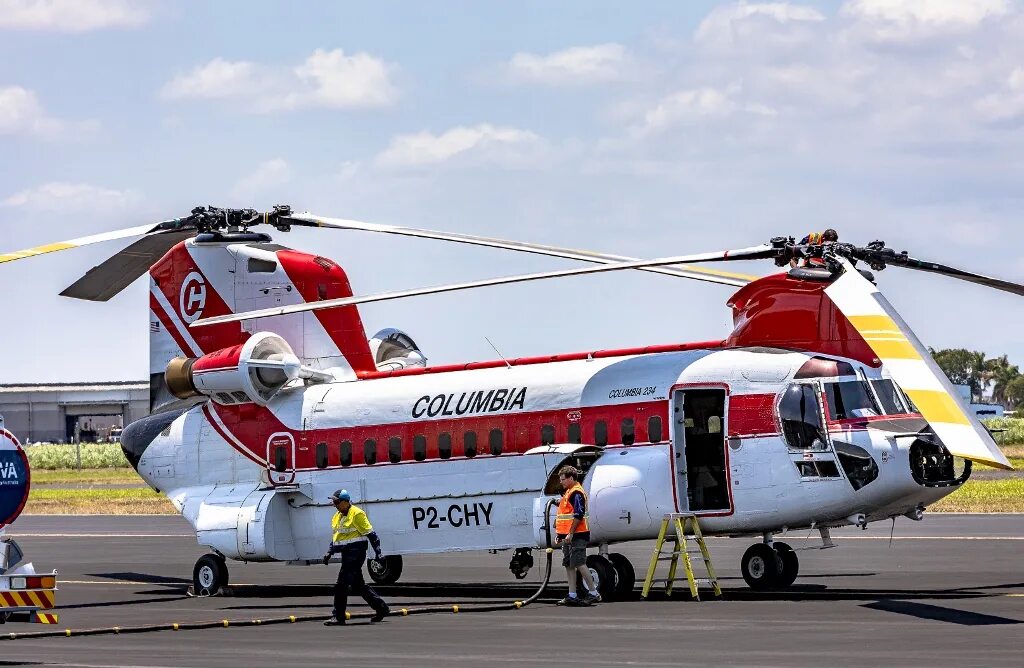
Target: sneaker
[
  {"x": 334, "y": 622},
  {"x": 591, "y": 599},
  {"x": 574, "y": 602},
  {"x": 379, "y": 615}
]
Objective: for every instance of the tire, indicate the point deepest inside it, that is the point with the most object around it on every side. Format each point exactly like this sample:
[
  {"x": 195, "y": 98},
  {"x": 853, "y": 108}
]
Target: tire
[
  {"x": 790, "y": 564},
  {"x": 625, "y": 576},
  {"x": 210, "y": 575},
  {"x": 603, "y": 572},
  {"x": 385, "y": 571},
  {"x": 761, "y": 567}
]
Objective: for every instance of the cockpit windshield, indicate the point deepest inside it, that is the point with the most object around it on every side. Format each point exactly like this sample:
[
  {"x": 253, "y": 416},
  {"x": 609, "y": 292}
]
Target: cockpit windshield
[{"x": 850, "y": 399}]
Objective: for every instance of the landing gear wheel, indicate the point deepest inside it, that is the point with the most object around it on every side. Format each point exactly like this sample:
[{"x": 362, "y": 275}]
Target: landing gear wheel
[
  {"x": 790, "y": 564},
  {"x": 603, "y": 573},
  {"x": 385, "y": 571},
  {"x": 210, "y": 575},
  {"x": 625, "y": 576},
  {"x": 761, "y": 567}
]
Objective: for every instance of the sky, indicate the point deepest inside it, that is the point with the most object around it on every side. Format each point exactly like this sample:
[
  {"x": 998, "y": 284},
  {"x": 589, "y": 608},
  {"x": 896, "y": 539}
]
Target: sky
[{"x": 647, "y": 130}]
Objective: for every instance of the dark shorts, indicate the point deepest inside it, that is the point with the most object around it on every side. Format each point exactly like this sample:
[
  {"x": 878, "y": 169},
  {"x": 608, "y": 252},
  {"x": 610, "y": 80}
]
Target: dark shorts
[{"x": 575, "y": 554}]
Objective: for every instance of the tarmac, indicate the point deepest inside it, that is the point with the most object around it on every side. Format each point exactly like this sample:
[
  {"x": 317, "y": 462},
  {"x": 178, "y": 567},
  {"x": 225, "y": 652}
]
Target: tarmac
[{"x": 947, "y": 590}]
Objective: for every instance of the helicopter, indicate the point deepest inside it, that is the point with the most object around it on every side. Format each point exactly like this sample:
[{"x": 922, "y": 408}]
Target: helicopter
[{"x": 821, "y": 409}]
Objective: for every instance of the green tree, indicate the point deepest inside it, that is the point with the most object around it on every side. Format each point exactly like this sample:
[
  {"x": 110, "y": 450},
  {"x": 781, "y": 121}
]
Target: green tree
[
  {"x": 1015, "y": 392},
  {"x": 1000, "y": 373},
  {"x": 962, "y": 367}
]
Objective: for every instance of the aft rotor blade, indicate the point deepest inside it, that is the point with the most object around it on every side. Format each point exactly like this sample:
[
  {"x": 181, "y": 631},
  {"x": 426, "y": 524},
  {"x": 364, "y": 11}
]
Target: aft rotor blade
[
  {"x": 696, "y": 273},
  {"x": 953, "y": 272},
  {"x": 120, "y": 270},
  {"x": 754, "y": 253},
  {"x": 77, "y": 243},
  {"x": 913, "y": 368}
]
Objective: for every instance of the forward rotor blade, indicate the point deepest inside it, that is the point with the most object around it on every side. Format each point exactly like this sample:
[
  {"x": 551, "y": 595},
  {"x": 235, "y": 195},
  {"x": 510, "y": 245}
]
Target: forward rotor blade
[
  {"x": 953, "y": 272},
  {"x": 120, "y": 270},
  {"x": 754, "y": 253},
  {"x": 696, "y": 273},
  {"x": 77, "y": 243},
  {"x": 913, "y": 368}
]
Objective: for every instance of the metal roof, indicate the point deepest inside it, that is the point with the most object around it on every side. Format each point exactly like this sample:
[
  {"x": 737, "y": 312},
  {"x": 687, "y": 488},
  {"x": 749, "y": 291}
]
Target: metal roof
[{"x": 97, "y": 386}]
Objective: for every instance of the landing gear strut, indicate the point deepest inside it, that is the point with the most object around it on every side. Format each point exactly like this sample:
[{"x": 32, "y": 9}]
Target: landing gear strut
[
  {"x": 210, "y": 575},
  {"x": 521, "y": 563}
]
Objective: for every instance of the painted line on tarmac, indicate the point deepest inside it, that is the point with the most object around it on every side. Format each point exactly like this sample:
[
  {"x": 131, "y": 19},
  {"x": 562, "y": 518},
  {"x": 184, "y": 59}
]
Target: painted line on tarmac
[{"x": 103, "y": 535}]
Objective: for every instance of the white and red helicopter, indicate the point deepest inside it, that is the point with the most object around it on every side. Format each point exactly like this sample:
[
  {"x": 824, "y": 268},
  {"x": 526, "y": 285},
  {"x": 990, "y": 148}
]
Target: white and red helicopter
[{"x": 820, "y": 410}]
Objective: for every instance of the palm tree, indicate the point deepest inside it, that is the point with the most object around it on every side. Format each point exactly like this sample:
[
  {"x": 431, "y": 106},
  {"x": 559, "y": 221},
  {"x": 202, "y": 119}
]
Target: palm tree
[{"x": 1000, "y": 373}]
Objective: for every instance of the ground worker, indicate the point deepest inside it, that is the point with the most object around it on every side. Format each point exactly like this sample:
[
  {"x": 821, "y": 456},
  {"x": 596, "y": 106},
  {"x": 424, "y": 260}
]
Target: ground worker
[
  {"x": 351, "y": 532},
  {"x": 572, "y": 532}
]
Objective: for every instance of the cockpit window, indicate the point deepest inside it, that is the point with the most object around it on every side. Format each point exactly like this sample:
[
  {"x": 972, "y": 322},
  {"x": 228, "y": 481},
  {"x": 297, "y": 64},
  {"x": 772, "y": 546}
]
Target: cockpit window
[
  {"x": 850, "y": 399},
  {"x": 800, "y": 413},
  {"x": 889, "y": 396}
]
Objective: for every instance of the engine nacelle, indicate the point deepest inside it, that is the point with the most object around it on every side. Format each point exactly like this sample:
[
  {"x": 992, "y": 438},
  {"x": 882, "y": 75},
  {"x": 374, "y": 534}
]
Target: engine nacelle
[
  {"x": 252, "y": 372},
  {"x": 394, "y": 349}
]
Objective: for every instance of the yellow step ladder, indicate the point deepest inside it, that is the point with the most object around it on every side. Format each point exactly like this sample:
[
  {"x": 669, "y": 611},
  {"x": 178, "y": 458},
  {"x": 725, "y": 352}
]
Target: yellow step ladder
[{"x": 681, "y": 523}]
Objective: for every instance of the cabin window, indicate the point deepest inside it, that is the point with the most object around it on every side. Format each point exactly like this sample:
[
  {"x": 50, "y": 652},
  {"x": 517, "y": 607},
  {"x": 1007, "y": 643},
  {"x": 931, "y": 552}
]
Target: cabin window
[
  {"x": 469, "y": 444},
  {"x": 850, "y": 399},
  {"x": 575, "y": 433},
  {"x": 370, "y": 451},
  {"x": 258, "y": 266},
  {"x": 346, "y": 453},
  {"x": 601, "y": 433},
  {"x": 281, "y": 459},
  {"x": 419, "y": 448},
  {"x": 496, "y": 439},
  {"x": 394, "y": 450},
  {"x": 547, "y": 435},
  {"x": 800, "y": 413},
  {"x": 628, "y": 430},
  {"x": 654, "y": 429},
  {"x": 444, "y": 446},
  {"x": 859, "y": 465},
  {"x": 321, "y": 455},
  {"x": 889, "y": 397}
]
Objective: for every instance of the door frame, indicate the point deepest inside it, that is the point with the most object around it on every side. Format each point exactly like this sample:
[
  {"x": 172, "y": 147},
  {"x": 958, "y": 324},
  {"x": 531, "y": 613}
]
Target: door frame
[{"x": 683, "y": 387}]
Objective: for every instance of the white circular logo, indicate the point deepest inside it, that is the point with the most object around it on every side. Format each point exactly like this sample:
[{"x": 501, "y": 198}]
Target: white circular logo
[{"x": 192, "y": 299}]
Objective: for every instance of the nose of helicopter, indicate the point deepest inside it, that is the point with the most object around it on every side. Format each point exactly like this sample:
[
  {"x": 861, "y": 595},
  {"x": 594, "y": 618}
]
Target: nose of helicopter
[{"x": 137, "y": 436}]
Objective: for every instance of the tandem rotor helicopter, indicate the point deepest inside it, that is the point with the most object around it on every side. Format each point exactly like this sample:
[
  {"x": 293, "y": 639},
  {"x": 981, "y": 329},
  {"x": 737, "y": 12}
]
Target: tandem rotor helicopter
[{"x": 821, "y": 409}]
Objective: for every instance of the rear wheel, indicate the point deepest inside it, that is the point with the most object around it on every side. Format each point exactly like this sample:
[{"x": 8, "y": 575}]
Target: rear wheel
[
  {"x": 385, "y": 571},
  {"x": 761, "y": 567},
  {"x": 790, "y": 564},
  {"x": 210, "y": 575},
  {"x": 603, "y": 573},
  {"x": 625, "y": 576}
]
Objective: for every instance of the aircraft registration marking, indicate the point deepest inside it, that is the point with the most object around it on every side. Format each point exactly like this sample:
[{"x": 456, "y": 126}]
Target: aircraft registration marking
[{"x": 456, "y": 515}]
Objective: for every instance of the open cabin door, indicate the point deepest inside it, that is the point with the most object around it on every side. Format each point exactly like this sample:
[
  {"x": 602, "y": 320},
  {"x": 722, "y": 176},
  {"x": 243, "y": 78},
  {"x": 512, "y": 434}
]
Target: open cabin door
[{"x": 699, "y": 463}]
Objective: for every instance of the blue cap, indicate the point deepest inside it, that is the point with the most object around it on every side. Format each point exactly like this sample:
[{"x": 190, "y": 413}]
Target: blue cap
[{"x": 341, "y": 495}]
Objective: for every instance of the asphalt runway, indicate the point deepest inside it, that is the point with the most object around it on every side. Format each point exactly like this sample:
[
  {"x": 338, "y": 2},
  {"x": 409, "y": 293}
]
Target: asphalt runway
[{"x": 947, "y": 590}]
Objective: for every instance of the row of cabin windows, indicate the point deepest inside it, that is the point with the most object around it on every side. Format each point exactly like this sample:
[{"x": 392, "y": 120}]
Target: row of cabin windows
[{"x": 495, "y": 442}]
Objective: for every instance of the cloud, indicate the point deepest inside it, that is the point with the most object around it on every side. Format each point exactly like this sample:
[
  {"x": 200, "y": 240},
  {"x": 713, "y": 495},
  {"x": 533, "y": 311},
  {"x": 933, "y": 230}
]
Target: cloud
[
  {"x": 483, "y": 143},
  {"x": 269, "y": 175},
  {"x": 1007, "y": 104},
  {"x": 21, "y": 113},
  {"x": 63, "y": 197},
  {"x": 580, "y": 65},
  {"x": 909, "y": 21},
  {"x": 326, "y": 79},
  {"x": 71, "y": 15},
  {"x": 743, "y": 24}
]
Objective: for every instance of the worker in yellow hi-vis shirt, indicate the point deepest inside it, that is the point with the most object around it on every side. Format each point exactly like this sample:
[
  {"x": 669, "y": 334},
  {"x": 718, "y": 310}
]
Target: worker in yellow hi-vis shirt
[{"x": 351, "y": 533}]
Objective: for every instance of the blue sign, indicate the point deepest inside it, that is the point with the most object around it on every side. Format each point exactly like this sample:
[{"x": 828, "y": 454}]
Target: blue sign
[{"x": 13, "y": 481}]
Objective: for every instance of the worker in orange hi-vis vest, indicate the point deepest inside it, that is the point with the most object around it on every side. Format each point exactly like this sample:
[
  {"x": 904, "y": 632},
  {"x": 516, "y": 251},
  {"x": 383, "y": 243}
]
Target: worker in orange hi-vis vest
[{"x": 572, "y": 532}]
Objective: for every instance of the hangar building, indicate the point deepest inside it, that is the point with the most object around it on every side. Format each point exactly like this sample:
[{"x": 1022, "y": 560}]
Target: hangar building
[{"x": 65, "y": 412}]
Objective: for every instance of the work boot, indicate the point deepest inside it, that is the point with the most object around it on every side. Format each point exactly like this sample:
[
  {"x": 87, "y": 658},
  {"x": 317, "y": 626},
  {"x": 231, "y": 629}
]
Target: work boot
[
  {"x": 591, "y": 599},
  {"x": 573, "y": 602},
  {"x": 379, "y": 615}
]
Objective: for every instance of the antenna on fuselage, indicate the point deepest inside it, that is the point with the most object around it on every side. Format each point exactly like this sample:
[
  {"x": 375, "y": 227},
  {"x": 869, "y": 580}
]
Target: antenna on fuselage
[{"x": 498, "y": 351}]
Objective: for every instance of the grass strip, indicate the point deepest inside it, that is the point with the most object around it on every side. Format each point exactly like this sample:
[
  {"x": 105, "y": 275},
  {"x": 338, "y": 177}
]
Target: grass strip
[
  {"x": 143, "y": 501},
  {"x": 86, "y": 477},
  {"x": 985, "y": 496}
]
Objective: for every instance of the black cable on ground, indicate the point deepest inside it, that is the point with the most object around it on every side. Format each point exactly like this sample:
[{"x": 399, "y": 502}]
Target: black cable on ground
[{"x": 296, "y": 619}]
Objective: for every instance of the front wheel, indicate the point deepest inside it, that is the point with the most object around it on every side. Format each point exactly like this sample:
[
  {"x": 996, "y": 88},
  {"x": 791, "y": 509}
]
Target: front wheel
[
  {"x": 761, "y": 567},
  {"x": 385, "y": 571},
  {"x": 625, "y": 575},
  {"x": 603, "y": 574},
  {"x": 790, "y": 564},
  {"x": 210, "y": 575}
]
